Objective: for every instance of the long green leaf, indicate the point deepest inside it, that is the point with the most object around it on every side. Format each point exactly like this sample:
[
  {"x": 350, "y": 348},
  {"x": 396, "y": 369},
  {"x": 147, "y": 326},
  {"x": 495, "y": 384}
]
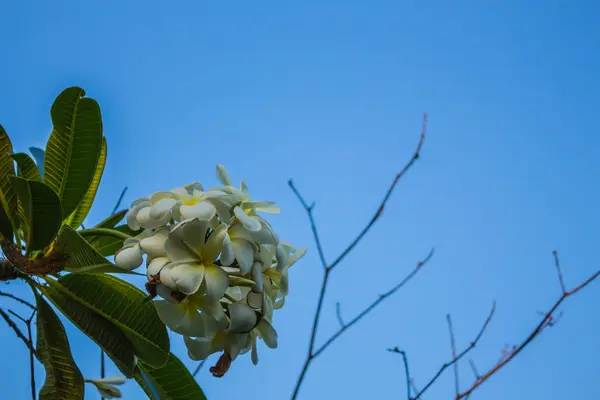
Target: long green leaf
[
  {"x": 63, "y": 378},
  {"x": 81, "y": 256},
  {"x": 26, "y": 167},
  {"x": 124, "y": 305},
  {"x": 108, "y": 245},
  {"x": 6, "y": 228},
  {"x": 106, "y": 334},
  {"x": 8, "y": 196},
  {"x": 42, "y": 211},
  {"x": 112, "y": 221},
  {"x": 74, "y": 146},
  {"x": 78, "y": 216},
  {"x": 172, "y": 381},
  {"x": 38, "y": 154}
]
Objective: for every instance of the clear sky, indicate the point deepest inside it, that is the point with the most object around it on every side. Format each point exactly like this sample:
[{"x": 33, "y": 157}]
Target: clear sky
[{"x": 331, "y": 93}]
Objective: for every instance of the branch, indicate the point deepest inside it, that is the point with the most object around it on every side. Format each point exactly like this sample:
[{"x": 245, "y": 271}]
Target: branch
[
  {"x": 338, "y": 313},
  {"x": 408, "y": 380},
  {"x": 453, "y": 345},
  {"x": 16, "y": 329},
  {"x": 119, "y": 201},
  {"x": 546, "y": 321},
  {"x": 20, "y": 300},
  {"x": 328, "y": 268},
  {"x": 459, "y": 356},
  {"x": 199, "y": 367}
]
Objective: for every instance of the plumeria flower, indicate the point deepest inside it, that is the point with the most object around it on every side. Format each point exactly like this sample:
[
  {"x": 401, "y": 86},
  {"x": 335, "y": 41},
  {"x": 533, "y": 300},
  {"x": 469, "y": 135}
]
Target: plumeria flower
[
  {"x": 106, "y": 386},
  {"x": 192, "y": 258},
  {"x": 130, "y": 256}
]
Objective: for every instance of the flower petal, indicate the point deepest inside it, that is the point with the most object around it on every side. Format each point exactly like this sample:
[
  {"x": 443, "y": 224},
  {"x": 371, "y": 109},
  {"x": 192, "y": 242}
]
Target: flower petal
[
  {"x": 216, "y": 282},
  {"x": 298, "y": 254},
  {"x": 284, "y": 282},
  {"x": 235, "y": 344},
  {"x": 242, "y": 318},
  {"x": 162, "y": 207},
  {"x": 223, "y": 175},
  {"x": 200, "y": 348},
  {"x": 282, "y": 258},
  {"x": 133, "y": 212},
  {"x": 112, "y": 380},
  {"x": 154, "y": 245},
  {"x": 269, "y": 207},
  {"x": 244, "y": 254},
  {"x": 255, "y": 300},
  {"x": 257, "y": 276},
  {"x": 188, "y": 277},
  {"x": 108, "y": 391},
  {"x": 186, "y": 240},
  {"x": 254, "y": 355},
  {"x": 227, "y": 254},
  {"x": 129, "y": 257},
  {"x": 155, "y": 266},
  {"x": 267, "y": 333},
  {"x": 203, "y": 210},
  {"x": 250, "y": 223},
  {"x": 181, "y": 318},
  {"x": 214, "y": 244}
]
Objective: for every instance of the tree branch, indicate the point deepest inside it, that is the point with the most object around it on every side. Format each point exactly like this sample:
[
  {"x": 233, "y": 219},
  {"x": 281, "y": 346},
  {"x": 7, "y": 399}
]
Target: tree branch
[
  {"x": 20, "y": 300},
  {"x": 546, "y": 321},
  {"x": 453, "y": 346},
  {"x": 338, "y": 313},
  {"x": 408, "y": 380},
  {"x": 199, "y": 367},
  {"x": 328, "y": 268},
  {"x": 16, "y": 329}
]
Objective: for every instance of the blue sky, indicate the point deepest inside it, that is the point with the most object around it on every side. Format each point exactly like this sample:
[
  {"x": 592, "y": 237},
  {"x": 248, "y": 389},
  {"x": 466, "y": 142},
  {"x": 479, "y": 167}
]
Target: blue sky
[{"x": 331, "y": 94}]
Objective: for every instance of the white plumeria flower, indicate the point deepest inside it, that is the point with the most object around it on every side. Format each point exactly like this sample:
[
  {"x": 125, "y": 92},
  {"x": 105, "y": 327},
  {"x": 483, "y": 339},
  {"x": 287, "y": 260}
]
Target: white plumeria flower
[
  {"x": 194, "y": 316},
  {"x": 130, "y": 256},
  {"x": 192, "y": 258},
  {"x": 106, "y": 386},
  {"x": 140, "y": 216}
]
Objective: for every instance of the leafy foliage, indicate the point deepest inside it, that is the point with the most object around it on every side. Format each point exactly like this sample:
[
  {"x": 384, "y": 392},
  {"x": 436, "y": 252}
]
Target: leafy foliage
[
  {"x": 8, "y": 196},
  {"x": 74, "y": 147},
  {"x": 26, "y": 167},
  {"x": 63, "y": 378},
  {"x": 173, "y": 381}
]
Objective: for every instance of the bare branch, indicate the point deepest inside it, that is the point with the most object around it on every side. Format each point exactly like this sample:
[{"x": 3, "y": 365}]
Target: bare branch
[
  {"x": 545, "y": 322},
  {"x": 408, "y": 380},
  {"x": 453, "y": 346},
  {"x": 374, "y": 304},
  {"x": 559, "y": 272},
  {"x": 16, "y": 329},
  {"x": 459, "y": 356},
  {"x": 199, "y": 367},
  {"x": 328, "y": 268},
  {"x": 338, "y": 313},
  {"x": 474, "y": 369}
]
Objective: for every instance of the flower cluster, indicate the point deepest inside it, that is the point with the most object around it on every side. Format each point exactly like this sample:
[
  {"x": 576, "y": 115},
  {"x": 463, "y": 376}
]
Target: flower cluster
[{"x": 219, "y": 268}]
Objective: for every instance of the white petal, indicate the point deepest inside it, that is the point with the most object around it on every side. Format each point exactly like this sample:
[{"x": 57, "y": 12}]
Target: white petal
[
  {"x": 155, "y": 266},
  {"x": 235, "y": 344},
  {"x": 191, "y": 187},
  {"x": 214, "y": 244},
  {"x": 162, "y": 207},
  {"x": 267, "y": 333},
  {"x": 267, "y": 253},
  {"x": 244, "y": 188},
  {"x": 244, "y": 254},
  {"x": 180, "y": 318},
  {"x": 227, "y": 255},
  {"x": 242, "y": 317},
  {"x": 200, "y": 348},
  {"x": 180, "y": 192},
  {"x": 129, "y": 257},
  {"x": 239, "y": 232},
  {"x": 112, "y": 380},
  {"x": 214, "y": 309},
  {"x": 254, "y": 352},
  {"x": 165, "y": 293},
  {"x": 223, "y": 176},
  {"x": 146, "y": 221},
  {"x": 203, "y": 210},
  {"x": 250, "y": 223},
  {"x": 265, "y": 206},
  {"x": 284, "y": 282},
  {"x": 108, "y": 391},
  {"x": 166, "y": 276},
  {"x": 216, "y": 282},
  {"x": 279, "y": 303},
  {"x": 255, "y": 300},
  {"x": 267, "y": 309},
  {"x": 282, "y": 258},
  {"x": 298, "y": 254},
  {"x": 154, "y": 246},
  {"x": 186, "y": 240},
  {"x": 257, "y": 276},
  {"x": 187, "y": 277}
]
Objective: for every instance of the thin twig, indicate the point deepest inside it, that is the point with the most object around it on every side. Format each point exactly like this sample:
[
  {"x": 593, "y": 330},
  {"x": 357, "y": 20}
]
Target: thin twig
[
  {"x": 119, "y": 201},
  {"x": 199, "y": 367},
  {"x": 338, "y": 313},
  {"x": 16, "y": 329},
  {"x": 559, "y": 272},
  {"x": 102, "y": 372},
  {"x": 453, "y": 346},
  {"x": 474, "y": 369},
  {"x": 538, "y": 329},
  {"x": 407, "y": 373},
  {"x": 328, "y": 268},
  {"x": 459, "y": 356},
  {"x": 20, "y": 300},
  {"x": 31, "y": 354},
  {"x": 374, "y": 304}
]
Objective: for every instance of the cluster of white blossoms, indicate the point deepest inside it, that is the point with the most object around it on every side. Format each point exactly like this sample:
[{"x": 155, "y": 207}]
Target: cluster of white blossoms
[{"x": 219, "y": 268}]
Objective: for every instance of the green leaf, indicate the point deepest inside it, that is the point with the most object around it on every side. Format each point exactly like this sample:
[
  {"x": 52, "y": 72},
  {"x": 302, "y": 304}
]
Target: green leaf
[
  {"x": 6, "y": 228},
  {"x": 82, "y": 210},
  {"x": 81, "y": 256},
  {"x": 108, "y": 245},
  {"x": 42, "y": 211},
  {"x": 172, "y": 381},
  {"x": 74, "y": 147},
  {"x": 124, "y": 305},
  {"x": 112, "y": 221},
  {"x": 63, "y": 378},
  {"x": 38, "y": 154},
  {"x": 8, "y": 195},
  {"x": 26, "y": 167},
  {"x": 106, "y": 334}
]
